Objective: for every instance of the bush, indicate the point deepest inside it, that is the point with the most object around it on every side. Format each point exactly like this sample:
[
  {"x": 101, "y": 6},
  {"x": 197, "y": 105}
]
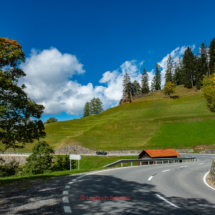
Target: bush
[
  {"x": 51, "y": 120},
  {"x": 40, "y": 160},
  {"x": 9, "y": 169},
  {"x": 62, "y": 162}
]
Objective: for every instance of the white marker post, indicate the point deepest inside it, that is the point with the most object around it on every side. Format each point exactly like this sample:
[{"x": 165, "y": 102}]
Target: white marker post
[{"x": 74, "y": 157}]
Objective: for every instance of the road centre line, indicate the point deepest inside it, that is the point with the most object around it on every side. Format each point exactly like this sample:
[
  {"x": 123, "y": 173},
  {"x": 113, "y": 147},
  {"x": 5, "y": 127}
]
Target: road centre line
[
  {"x": 67, "y": 209},
  {"x": 74, "y": 179},
  {"x": 183, "y": 166},
  {"x": 70, "y": 182},
  {"x": 150, "y": 178},
  {"x": 65, "y": 192},
  {"x": 65, "y": 199},
  {"x": 167, "y": 201},
  {"x": 166, "y": 170},
  {"x": 67, "y": 187},
  {"x": 204, "y": 179}
]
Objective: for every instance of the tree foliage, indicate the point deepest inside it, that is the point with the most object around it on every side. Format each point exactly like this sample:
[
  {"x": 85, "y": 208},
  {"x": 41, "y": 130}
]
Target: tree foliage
[
  {"x": 51, "y": 120},
  {"x": 95, "y": 106},
  {"x": 126, "y": 85},
  {"x": 169, "y": 88},
  {"x": 87, "y": 109},
  {"x": 169, "y": 70},
  {"x": 40, "y": 160},
  {"x": 156, "y": 81},
  {"x": 16, "y": 128},
  {"x": 212, "y": 56},
  {"x": 177, "y": 76},
  {"x": 208, "y": 91},
  {"x": 145, "y": 82}
]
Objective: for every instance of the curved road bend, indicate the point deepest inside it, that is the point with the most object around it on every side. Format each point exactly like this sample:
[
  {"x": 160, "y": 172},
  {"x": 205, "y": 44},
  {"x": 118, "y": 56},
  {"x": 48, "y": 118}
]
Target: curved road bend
[{"x": 157, "y": 189}]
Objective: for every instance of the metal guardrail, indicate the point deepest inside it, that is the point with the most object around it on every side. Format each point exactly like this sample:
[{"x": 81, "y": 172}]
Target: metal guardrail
[
  {"x": 153, "y": 160},
  {"x": 10, "y": 153}
]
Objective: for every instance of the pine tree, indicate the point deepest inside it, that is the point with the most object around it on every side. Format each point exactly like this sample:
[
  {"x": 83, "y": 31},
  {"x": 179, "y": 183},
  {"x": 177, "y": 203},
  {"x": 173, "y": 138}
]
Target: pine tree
[
  {"x": 126, "y": 80},
  {"x": 87, "y": 109},
  {"x": 99, "y": 105},
  {"x": 188, "y": 70},
  {"x": 201, "y": 66},
  {"x": 145, "y": 82},
  {"x": 93, "y": 106},
  {"x": 169, "y": 70},
  {"x": 212, "y": 56},
  {"x": 137, "y": 88},
  {"x": 157, "y": 77},
  {"x": 153, "y": 84},
  {"x": 177, "y": 77}
]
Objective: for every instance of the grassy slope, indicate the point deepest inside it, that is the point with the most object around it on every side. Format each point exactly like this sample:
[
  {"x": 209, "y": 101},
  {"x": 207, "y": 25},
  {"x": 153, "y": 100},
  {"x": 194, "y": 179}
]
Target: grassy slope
[{"x": 150, "y": 122}]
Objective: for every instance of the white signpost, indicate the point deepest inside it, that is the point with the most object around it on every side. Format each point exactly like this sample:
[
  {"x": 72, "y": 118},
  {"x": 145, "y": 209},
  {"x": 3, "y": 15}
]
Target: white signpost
[{"x": 75, "y": 157}]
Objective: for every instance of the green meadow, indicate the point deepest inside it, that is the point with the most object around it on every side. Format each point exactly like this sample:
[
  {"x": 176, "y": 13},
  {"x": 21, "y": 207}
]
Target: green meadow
[{"x": 152, "y": 121}]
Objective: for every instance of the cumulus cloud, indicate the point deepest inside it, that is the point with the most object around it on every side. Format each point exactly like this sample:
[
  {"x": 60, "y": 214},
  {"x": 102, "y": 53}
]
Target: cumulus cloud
[{"x": 49, "y": 81}]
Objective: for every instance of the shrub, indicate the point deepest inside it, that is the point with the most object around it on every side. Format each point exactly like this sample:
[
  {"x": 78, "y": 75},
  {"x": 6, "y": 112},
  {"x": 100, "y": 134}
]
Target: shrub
[
  {"x": 51, "y": 120},
  {"x": 40, "y": 160},
  {"x": 62, "y": 162},
  {"x": 9, "y": 169}
]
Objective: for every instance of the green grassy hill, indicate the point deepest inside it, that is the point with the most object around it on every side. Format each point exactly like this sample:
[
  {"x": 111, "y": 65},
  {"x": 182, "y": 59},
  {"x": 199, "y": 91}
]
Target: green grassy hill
[{"x": 153, "y": 121}]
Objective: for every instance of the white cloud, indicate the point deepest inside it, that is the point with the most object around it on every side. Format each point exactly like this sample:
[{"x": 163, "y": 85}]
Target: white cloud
[{"x": 49, "y": 81}]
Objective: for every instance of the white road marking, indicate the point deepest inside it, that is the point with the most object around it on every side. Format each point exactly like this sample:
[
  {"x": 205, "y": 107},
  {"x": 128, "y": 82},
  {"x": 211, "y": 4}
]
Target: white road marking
[
  {"x": 81, "y": 176},
  {"x": 183, "y": 166},
  {"x": 65, "y": 200},
  {"x": 67, "y": 209},
  {"x": 150, "y": 178},
  {"x": 200, "y": 164},
  {"x": 70, "y": 182},
  {"x": 167, "y": 201},
  {"x": 204, "y": 179},
  {"x": 166, "y": 170},
  {"x": 67, "y": 186},
  {"x": 74, "y": 180},
  {"x": 65, "y": 192}
]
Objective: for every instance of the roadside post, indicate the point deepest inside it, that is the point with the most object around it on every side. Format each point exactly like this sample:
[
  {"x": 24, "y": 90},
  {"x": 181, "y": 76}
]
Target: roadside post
[{"x": 74, "y": 157}]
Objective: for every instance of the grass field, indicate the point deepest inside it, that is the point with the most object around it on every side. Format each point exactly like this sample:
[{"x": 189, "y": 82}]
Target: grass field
[
  {"x": 153, "y": 121},
  {"x": 87, "y": 163}
]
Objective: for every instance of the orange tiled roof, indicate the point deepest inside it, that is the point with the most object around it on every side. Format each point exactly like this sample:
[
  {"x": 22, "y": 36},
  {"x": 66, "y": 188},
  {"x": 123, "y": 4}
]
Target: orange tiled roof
[{"x": 161, "y": 153}]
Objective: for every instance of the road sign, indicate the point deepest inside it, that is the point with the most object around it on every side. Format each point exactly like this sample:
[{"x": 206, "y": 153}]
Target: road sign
[{"x": 75, "y": 157}]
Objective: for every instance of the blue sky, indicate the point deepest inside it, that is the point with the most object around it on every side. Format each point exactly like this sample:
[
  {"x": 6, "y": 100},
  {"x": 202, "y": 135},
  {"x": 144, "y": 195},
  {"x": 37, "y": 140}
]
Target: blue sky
[{"x": 77, "y": 50}]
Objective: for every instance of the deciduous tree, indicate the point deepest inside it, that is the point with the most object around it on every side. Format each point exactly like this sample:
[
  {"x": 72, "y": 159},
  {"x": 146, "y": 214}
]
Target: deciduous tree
[{"x": 169, "y": 88}]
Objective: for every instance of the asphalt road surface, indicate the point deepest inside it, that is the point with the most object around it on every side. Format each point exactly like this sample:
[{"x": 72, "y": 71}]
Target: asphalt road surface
[{"x": 155, "y": 189}]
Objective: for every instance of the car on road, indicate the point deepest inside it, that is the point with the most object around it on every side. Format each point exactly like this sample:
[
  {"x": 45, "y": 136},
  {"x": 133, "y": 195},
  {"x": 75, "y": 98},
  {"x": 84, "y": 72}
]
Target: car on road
[{"x": 101, "y": 153}]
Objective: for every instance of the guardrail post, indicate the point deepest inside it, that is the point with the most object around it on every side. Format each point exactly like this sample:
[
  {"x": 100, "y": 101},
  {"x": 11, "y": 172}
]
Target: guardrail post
[
  {"x": 148, "y": 162},
  {"x": 156, "y": 162},
  {"x": 168, "y": 161},
  {"x": 162, "y": 162},
  {"x": 121, "y": 164},
  {"x": 131, "y": 163}
]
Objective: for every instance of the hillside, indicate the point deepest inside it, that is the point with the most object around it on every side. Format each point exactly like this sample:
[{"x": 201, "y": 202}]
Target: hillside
[{"x": 153, "y": 121}]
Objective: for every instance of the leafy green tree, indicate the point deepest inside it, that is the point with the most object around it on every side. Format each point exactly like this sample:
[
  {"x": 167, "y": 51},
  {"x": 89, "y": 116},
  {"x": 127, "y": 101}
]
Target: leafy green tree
[
  {"x": 177, "y": 76},
  {"x": 145, "y": 82},
  {"x": 208, "y": 91},
  {"x": 212, "y": 56},
  {"x": 62, "y": 162},
  {"x": 126, "y": 80},
  {"x": 16, "y": 108},
  {"x": 51, "y": 120},
  {"x": 169, "y": 70},
  {"x": 169, "y": 88},
  {"x": 157, "y": 77},
  {"x": 137, "y": 88},
  {"x": 40, "y": 160},
  {"x": 188, "y": 70},
  {"x": 87, "y": 109}
]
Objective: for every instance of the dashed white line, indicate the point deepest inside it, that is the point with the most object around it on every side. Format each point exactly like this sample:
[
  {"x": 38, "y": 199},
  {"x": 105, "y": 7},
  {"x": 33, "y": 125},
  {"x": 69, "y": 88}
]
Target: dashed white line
[
  {"x": 150, "y": 178},
  {"x": 81, "y": 176},
  {"x": 67, "y": 186},
  {"x": 167, "y": 201},
  {"x": 166, "y": 170},
  {"x": 67, "y": 209},
  {"x": 70, "y": 182},
  {"x": 183, "y": 166},
  {"x": 200, "y": 164},
  {"x": 74, "y": 180},
  {"x": 65, "y": 200},
  {"x": 65, "y": 192}
]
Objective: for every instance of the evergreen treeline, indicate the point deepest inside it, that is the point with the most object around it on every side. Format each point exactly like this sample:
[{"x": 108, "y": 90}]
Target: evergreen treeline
[{"x": 95, "y": 106}]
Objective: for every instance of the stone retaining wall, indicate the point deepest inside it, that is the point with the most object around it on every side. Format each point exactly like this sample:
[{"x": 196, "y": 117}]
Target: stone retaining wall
[
  {"x": 208, "y": 151},
  {"x": 66, "y": 150},
  {"x": 20, "y": 158},
  {"x": 212, "y": 172}
]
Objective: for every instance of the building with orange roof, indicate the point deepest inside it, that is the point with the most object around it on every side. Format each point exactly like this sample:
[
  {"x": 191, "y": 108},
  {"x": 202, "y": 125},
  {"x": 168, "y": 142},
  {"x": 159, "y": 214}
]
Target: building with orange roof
[{"x": 158, "y": 153}]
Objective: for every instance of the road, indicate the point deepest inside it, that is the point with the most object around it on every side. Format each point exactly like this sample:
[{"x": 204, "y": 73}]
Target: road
[{"x": 155, "y": 189}]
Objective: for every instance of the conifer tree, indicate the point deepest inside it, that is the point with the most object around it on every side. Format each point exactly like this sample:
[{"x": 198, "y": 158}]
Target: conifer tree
[
  {"x": 177, "y": 77},
  {"x": 87, "y": 109},
  {"x": 126, "y": 80},
  {"x": 212, "y": 56},
  {"x": 188, "y": 70},
  {"x": 169, "y": 70},
  {"x": 157, "y": 77},
  {"x": 153, "y": 83},
  {"x": 145, "y": 82},
  {"x": 99, "y": 105},
  {"x": 137, "y": 88}
]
